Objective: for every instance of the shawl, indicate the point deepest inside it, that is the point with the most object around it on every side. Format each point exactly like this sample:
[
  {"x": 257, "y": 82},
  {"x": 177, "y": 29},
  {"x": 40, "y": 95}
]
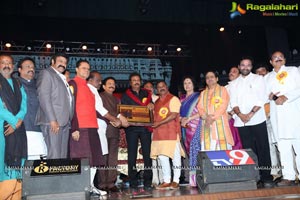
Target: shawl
[
  {"x": 137, "y": 100},
  {"x": 215, "y": 100},
  {"x": 15, "y": 143}
]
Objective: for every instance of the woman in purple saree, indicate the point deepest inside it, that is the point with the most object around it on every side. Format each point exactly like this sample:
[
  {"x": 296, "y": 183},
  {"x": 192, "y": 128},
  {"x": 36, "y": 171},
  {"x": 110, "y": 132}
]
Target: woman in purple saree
[{"x": 191, "y": 124}]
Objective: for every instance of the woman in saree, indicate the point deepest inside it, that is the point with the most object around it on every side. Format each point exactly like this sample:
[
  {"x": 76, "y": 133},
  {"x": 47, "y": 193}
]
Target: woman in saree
[
  {"x": 191, "y": 125},
  {"x": 212, "y": 106}
]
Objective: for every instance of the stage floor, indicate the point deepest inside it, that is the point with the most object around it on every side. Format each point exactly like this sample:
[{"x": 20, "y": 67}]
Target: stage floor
[{"x": 189, "y": 193}]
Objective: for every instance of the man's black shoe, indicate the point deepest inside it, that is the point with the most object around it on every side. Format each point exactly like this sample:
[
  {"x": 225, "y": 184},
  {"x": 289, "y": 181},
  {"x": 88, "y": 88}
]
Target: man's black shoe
[
  {"x": 148, "y": 188},
  {"x": 265, "y": 184},
  {"x": 183, "y": 183},
  {"x": 268, "y": 184}
]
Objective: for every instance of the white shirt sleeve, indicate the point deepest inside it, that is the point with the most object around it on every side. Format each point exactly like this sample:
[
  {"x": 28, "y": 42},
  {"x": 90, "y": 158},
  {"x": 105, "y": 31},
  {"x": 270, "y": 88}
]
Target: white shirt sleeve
[{"x": 99, "y": 103}]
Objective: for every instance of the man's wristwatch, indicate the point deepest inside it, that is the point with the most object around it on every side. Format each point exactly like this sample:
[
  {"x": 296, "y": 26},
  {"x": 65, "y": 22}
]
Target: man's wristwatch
[{"x": 275, "y": 97}]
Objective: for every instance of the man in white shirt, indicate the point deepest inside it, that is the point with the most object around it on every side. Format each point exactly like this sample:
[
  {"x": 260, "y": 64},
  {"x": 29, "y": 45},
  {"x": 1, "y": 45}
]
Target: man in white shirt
[
  {"x": 262, "y": 69},
  {"x": 248, "y": 101},
  {"x": 103, "y": 117},
  {"x": 283, "y": 88}
]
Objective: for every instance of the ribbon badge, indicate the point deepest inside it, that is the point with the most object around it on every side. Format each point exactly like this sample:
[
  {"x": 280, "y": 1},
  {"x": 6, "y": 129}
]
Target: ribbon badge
[
  {"x": 72, "y": 89},
  {"x": 216, "y": 101},
  {"x": 281, "y": 76},
  {"x": 163, "y": 112},
  {"x": 144, "y": 100}
]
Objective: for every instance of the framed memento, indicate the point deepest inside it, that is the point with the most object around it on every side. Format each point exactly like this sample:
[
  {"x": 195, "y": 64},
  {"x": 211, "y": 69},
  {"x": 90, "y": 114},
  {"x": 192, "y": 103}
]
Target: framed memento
[{"x": 136, "y": 115}]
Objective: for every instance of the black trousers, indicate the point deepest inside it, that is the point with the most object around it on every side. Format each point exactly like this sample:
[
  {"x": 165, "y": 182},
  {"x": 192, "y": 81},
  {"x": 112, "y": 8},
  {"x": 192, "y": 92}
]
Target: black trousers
[
  {"x": 132, "y": 137},
  {"x": 256, "y": 138}
]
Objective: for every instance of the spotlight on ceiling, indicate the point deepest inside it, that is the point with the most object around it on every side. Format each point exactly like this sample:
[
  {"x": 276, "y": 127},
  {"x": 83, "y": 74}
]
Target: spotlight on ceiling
[
  {"x": 84, "y": 47},
  {"x": 68, "y": 49},
  {"x": 178, "y": 49},
  {"x": 165, "y": 51},
  {"x": 98, "y": 49},
  {"x": 48, "y": 46},
  {"x": 149, "y": 49},
  {"x": 294, "y": 51},
  {"x": 8, "y": 45},
  {"x": 133, "y": 50},
  {"x": 222, "y": 29},
  {"x": 29, "y": 48},
  {"x": 115, "y": 48},
  {"x": 239, "y": 31}
]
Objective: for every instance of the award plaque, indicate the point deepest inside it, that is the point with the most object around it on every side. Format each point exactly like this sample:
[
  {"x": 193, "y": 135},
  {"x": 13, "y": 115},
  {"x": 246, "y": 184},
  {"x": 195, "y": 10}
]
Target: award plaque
[{"x": 136, "y": 115}]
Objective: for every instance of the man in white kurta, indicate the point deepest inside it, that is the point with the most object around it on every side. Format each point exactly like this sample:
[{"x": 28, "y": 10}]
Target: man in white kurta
[
  {"x": 247, "y": 99},
  {"x": 283, "y": 88},
  {"x": 94, "y": 83},
  {"x": 276, "y": 169}
]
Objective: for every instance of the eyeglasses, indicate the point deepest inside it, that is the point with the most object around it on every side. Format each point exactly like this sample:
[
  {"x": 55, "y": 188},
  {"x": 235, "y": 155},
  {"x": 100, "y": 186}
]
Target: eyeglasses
[
  {"x": 6, "y": 63},
  {"x": 277, "y": 57}
]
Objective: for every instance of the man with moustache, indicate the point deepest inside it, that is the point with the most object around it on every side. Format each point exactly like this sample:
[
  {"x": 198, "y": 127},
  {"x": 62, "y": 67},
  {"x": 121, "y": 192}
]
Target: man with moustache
[
  {"x": 156, "y": 167},
  {"x": 262, "y": 69},
  {"x": 283, "y": 88},
  {"x": 26, "y": 68},
  {"x": 248, "y": 101},
  {"x": 13, "y": 141},
  {"x": 135, "y": 95},
  {"x": 56, "y": 107},
  {"x": 36, "y": 144},
  {"x": 107, "y": 174},
  {"x": 112, "y": 133},
  {"x": 166, "y": 136},
  {"x": 234, "y": 73}
]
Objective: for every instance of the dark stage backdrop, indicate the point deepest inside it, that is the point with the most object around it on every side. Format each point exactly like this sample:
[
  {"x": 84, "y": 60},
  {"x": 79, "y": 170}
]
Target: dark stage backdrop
[{"x": 194, "y": 23}]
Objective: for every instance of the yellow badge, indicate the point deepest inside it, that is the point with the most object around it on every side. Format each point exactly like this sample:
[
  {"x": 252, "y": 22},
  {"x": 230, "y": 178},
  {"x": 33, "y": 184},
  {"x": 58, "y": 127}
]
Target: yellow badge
[
  {"x": 216, "y": 101},
  {"x": 163, "y": 112},
  {"x": 144, "y": 100},
  {"x": 72, "y": 89},
  {"x": 281, "y": 76}
]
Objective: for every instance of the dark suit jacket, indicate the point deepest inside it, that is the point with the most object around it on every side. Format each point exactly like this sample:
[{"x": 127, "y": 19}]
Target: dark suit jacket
[{"x": 54, "y": 99}]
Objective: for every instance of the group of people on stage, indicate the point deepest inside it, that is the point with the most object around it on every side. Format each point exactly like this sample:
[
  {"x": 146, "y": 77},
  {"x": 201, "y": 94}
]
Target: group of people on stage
[{"x": 74, "y": 120}]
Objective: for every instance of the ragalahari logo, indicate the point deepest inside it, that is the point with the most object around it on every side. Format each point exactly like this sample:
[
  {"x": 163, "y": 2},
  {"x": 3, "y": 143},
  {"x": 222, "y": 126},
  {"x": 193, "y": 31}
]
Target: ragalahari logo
[{"x": 236, "y": 10}]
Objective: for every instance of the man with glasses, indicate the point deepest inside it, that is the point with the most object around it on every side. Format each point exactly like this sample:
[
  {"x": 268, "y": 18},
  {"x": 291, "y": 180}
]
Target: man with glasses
[{"x": 283, "y": 88}]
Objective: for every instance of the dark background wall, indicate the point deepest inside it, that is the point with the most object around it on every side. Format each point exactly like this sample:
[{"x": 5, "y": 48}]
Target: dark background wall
[{"x": 191, "y": 22}]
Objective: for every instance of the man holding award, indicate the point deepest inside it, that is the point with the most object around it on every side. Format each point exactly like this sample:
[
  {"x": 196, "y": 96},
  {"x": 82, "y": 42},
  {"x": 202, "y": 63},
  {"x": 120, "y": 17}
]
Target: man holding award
[{"x": 137, "y": 96}]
